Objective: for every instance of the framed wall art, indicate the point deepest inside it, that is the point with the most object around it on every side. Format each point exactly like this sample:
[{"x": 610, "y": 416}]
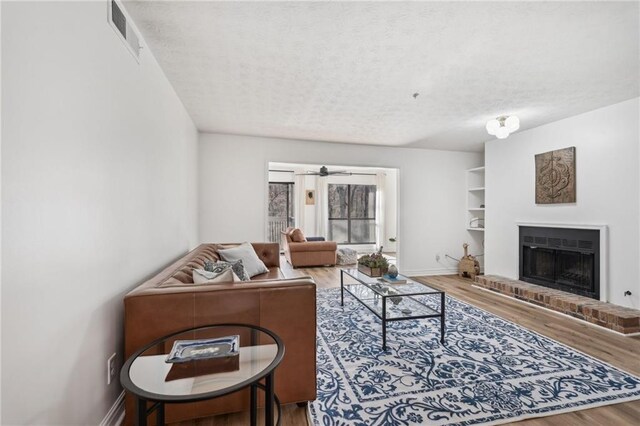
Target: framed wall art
[
  {"x": 556, "y": 176},
  {"x": 310, "y": 198}
]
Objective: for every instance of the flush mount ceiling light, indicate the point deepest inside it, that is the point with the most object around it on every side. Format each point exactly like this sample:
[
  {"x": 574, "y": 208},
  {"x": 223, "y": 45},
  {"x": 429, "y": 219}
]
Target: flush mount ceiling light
[{"x": 503, "y": 126}]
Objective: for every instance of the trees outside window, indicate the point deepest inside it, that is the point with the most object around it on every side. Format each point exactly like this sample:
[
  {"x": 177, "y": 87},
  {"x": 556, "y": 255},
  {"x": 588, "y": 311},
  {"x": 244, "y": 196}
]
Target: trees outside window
[
  {"x": 280, "y": 209},
  {"x": 352, "y": 214}
]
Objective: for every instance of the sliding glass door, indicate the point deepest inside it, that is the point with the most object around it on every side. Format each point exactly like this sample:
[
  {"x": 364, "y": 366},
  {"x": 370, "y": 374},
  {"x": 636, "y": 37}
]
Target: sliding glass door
[{"x": 281, "y": 214}]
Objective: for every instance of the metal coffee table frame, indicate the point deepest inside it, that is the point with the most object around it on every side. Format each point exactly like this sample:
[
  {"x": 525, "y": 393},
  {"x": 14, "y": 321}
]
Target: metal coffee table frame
[
  {"x": 158, "y": 400},
  {"x": 353, "y": 273}
]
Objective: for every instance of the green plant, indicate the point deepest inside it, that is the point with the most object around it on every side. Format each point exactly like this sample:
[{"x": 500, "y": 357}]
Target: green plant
[{"x": 375, "y": 260}]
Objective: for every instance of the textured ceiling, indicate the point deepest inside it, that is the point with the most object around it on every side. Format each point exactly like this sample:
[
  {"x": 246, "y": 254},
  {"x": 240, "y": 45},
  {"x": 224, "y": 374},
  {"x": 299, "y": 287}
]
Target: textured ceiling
[{"x": 346, "y": 72}]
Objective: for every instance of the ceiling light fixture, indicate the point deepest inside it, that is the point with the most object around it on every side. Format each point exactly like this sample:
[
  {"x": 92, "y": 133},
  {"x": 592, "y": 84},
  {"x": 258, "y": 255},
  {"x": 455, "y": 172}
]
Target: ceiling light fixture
[{"x": 503, "y": 126}]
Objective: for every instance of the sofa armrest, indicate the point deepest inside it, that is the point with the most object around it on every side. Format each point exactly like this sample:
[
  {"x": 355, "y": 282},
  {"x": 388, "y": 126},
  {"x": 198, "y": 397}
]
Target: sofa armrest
[{"x": 313, "y": 246}]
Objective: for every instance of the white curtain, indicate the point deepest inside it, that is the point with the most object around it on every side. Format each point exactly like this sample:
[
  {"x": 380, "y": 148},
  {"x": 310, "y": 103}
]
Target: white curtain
[
  {"x": 322, "y": 207},
  {"x": 381, "y": 180},
  {"x": 300, "y": 196}
]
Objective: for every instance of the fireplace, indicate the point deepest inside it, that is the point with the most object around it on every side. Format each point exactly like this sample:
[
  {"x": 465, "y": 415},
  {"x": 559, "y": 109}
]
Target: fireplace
[{"x": 562, "y": 258}]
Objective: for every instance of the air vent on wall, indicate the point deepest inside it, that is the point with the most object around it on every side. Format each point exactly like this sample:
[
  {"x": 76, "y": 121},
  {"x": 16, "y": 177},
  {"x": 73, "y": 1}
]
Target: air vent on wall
[
  {"x": 125, "y": 31},
  {"x": 555, "y": 242},
  {"x": 588, "y": 245}
]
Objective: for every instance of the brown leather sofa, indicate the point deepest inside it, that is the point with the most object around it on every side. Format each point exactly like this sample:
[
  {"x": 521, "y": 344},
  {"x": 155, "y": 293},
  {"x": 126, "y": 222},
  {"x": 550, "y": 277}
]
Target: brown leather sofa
[
  {"x": 170, "y": 302},
  {"x": 308, "y": 253}
]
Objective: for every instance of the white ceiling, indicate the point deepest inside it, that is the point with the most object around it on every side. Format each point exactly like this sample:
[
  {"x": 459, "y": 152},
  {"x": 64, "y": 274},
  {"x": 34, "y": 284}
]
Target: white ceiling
[{"x": 346, "y": 71}]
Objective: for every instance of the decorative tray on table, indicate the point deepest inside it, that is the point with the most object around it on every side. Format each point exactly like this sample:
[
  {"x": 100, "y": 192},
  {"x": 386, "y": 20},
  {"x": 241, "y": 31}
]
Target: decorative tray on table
[{"x": 192, "y": 350}]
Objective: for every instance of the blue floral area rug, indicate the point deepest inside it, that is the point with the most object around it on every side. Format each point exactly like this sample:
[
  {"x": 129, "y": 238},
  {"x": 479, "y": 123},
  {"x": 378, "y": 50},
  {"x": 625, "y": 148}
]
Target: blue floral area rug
[{"x": 489, "y": 371}]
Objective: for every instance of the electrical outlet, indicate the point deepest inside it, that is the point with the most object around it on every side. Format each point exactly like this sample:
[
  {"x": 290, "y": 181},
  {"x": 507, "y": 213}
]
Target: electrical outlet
[
  {"x": 111, "y": 368},
  {"x": 437, "y": 258}
]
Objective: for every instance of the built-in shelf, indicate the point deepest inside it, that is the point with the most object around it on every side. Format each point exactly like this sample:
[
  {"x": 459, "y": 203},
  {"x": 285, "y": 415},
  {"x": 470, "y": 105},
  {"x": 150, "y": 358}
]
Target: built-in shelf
[{"x": 475, "y": 198}]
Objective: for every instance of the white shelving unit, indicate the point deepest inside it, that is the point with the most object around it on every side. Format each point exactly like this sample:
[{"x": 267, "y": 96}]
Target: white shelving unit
[
  {"x": 475, "y": 199},
  {"x": 475, "y": 210}
]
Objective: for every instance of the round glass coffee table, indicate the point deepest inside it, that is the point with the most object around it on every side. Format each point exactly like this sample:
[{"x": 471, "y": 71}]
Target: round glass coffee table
[{"x": 148, "y": 375}]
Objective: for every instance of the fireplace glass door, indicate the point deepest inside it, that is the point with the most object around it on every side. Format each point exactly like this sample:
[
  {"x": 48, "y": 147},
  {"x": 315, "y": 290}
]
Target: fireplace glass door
[
  {"x": 539, "y": 263},
  {"x": 575, "y": 269},
  {"x": 567, "y": 270}
]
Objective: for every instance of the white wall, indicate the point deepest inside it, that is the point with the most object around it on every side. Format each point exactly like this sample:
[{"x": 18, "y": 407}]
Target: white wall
[
  {"x": 0, "y": 219},
  {"x": 99, "y": 190},
  {"x": 390, "y": 210},
  {"x": 309, "y": 221},
  {"x": 233, "y": 186},
  {"x": 607, "y": 182}
]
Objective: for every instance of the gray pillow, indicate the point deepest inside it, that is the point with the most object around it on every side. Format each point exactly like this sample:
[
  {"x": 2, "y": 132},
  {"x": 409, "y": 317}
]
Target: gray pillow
[
  {"x": 247, "y": 254},
  {"x": 237, "y": 266}
]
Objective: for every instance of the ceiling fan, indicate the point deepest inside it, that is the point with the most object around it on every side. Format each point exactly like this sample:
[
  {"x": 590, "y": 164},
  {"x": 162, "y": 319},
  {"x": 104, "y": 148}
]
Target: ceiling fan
[{"x": 325, "y": 172}]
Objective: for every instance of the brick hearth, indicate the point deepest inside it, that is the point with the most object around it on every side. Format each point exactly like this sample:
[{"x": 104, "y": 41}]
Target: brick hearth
[{"x": 618, "y": 318}]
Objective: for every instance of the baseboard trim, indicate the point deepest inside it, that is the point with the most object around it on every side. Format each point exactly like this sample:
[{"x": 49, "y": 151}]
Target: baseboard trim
[
  {"x": 428, "y": 272},
  {"x": 115, "y": 416}
]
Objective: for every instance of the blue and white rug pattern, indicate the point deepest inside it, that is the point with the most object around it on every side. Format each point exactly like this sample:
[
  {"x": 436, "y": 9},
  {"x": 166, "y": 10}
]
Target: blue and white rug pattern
[{"x": 489, "y": 371}]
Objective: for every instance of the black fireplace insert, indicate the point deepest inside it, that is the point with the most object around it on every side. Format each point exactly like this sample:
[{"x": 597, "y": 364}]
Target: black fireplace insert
[{"x": 562, "y": 258}]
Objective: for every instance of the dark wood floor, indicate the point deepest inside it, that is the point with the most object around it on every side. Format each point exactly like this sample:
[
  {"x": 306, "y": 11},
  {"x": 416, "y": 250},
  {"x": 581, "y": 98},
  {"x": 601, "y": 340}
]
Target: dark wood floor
[{"x": 622, "y": 352}]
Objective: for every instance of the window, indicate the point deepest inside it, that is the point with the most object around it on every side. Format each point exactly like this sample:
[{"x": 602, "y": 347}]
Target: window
[
  {"x": 280, "y": 209},
  {"x": 352, "y": 214}
]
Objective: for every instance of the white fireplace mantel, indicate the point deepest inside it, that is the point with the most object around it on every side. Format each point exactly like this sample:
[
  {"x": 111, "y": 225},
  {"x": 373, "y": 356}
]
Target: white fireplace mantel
[{"x": 604, "y": 251}]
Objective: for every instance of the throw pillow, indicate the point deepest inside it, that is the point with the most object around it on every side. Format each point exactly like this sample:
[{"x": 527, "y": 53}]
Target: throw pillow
[
  {"x": 247, "y": 254},
  {"x": 238, "y": 269},
  {"x": 297, "y": 236},
  {"x": 209, "y": 265},
  {"x": 220, "y": 275}
]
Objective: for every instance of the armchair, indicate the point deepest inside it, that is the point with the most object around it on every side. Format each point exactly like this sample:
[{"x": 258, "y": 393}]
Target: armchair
[{"x": 308, "y": 253}]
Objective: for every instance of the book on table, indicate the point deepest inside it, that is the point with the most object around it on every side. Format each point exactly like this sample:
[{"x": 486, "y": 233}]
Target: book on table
[{"x": 394, "y": 280}]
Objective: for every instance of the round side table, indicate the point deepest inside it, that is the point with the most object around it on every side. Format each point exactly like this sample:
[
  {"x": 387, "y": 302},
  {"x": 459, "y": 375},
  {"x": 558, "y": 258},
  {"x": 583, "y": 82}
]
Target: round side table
[{"x": 148, "y": 376}]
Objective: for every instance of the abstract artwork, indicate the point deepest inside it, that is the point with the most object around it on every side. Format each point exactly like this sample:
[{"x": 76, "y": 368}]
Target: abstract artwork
[
  {"x": 310, "y": 198},
  {"x": 556, "y": 176}
]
